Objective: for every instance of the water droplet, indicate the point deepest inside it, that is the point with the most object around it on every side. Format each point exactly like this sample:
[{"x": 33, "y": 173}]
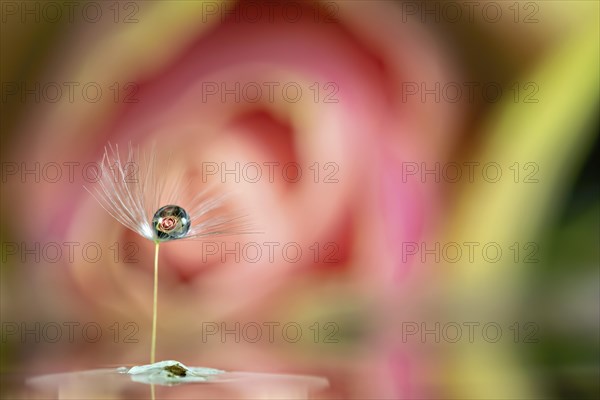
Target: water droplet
[
  {"x": 170, "y": 373},
  {"x": 171, "y": 222}
]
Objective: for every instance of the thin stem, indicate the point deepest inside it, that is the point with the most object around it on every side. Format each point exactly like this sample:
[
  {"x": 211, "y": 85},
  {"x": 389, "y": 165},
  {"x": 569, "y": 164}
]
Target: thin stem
[{"x": 155, "y": 303}]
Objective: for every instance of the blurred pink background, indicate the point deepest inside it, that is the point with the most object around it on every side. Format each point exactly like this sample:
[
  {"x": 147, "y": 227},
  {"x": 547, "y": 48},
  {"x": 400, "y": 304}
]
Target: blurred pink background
[{"x": 190, "y": 70}]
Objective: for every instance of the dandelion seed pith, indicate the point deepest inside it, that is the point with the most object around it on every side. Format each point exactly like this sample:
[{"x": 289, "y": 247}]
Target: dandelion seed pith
[{"x": 141, "y": 199}]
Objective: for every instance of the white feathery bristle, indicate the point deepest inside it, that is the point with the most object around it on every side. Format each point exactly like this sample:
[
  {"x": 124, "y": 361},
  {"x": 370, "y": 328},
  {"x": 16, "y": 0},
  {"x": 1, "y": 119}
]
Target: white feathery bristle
[
  {"x": 132, "y": 191},
  {"x": 120, "y": 189}
]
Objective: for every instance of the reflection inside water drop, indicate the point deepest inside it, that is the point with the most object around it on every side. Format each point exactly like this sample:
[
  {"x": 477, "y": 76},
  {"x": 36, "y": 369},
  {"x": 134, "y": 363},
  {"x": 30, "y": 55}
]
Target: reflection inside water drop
[{"x": 170, "y": 222}]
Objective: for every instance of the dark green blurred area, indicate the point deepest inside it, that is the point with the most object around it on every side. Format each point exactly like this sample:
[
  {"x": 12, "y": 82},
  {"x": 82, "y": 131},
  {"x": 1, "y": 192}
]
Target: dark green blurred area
[
  {"x": 567, "y": 284},
  {"x": 24, "y": 52}
]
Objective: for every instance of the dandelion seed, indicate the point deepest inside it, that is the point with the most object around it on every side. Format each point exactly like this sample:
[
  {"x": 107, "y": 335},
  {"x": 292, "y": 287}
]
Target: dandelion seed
[
  {"x": 134, "y": 193},
  {"x": 156, "y": 208}
]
